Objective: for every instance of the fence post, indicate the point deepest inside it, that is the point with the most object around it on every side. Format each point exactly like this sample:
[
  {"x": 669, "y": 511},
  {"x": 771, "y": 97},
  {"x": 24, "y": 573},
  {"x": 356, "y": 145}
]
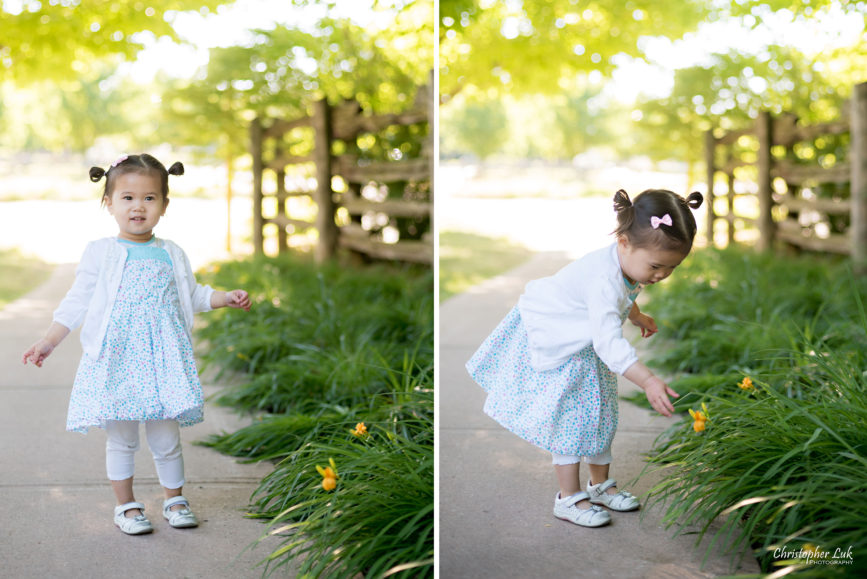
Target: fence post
[
  {"x": 764, "y": 132},
  {"x": 858, "y": 164},
  {"x": 256, "y": 152},
  {"x": 710, "y": 164},
  {"x": 325, "y": 224},
  {"x": 730, "y": 194}
]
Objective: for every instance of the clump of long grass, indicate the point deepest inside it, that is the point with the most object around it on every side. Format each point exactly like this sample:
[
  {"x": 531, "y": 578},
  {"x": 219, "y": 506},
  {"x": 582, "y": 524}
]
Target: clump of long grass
[
  {"x": 379, "y": 518},
  {"x": 339, "y": 364},
  {"x": 781, "y": 457},
  {"x": 317, "y": 333},
  {"x": 785, "y": 470},
  {"x": 724, "y": 309}
]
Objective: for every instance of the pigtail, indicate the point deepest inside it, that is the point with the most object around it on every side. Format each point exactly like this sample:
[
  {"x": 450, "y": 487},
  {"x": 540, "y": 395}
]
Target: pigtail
[
  {"x": 621, "y": 201},
  {"x": 694, "y": 200},
  {"x": 625, "y": 212},
  {"x": 176, "y": 169},
  {"x": 97, "y": 173}
]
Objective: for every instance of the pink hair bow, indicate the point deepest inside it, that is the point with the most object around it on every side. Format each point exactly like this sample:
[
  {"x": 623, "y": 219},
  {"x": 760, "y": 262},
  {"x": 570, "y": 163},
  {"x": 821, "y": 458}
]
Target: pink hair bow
[
  {"x": 123, "y": 158},
  {"x": 664, "y": 220}
]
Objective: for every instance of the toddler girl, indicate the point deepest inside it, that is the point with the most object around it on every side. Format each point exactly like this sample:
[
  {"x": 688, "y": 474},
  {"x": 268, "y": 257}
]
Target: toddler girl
[
  {"x": 135, "y": 295},
  {"x": 549, "y": 367}
]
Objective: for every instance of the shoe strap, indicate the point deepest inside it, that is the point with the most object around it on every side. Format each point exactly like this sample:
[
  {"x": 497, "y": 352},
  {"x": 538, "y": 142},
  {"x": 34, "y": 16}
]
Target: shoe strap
[
  {"x": 169, "y": 503},
  {"x": 129, "y": 506},
  {"x": 606, "y": 485},
  {"x": 576, "y": 498}
]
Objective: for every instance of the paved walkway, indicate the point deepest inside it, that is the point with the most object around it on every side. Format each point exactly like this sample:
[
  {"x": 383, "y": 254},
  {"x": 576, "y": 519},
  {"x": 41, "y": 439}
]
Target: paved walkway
[
  {"x": 496, "y": 491},
  {"x": 55, "y": 502}
]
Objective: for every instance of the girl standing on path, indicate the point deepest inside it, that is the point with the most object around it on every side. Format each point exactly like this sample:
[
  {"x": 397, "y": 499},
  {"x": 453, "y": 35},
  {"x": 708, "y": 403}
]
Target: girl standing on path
[
  {"x": 136, "y": 295},
  {"x": 549, "y": 367}
]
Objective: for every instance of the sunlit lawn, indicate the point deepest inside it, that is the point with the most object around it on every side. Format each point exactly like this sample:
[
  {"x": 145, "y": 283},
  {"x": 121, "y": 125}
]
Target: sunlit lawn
[
  {"x": 467, "y": 259},
  {"x": 19, "y": 274}
]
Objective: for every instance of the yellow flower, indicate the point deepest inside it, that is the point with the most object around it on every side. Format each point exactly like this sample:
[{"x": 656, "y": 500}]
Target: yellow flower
[
  {"x": 699, "y": 417},
  {"x": 329, "y": 475},
  {"x": 746, "y": 384},
  {"x": 360, "y": 429}
]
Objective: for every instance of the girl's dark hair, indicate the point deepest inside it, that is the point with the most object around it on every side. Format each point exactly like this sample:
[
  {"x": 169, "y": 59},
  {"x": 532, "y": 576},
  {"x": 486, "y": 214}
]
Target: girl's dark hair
[
  {"x": 635, "y": 220},
  {"x": 143, "y": 163}
]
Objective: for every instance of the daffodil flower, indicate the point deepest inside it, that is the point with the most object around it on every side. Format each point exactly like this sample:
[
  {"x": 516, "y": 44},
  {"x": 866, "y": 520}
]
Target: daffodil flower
[{"x": 329, "y": 475}]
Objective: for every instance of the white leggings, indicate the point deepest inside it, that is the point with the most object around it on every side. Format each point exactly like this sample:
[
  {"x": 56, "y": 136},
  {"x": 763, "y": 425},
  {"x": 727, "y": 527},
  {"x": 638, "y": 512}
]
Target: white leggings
[
  {"x": 164, "y": 440},
  {"x": 603, "y": 457}
]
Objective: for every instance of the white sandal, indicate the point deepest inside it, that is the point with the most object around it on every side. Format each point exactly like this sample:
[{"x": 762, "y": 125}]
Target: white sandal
[
  {"x": 137, "y": 525},
  {"x": 568, "y": 510},
  {"x": 182, "y": 518},
  {"x": 622, "y": 501}
]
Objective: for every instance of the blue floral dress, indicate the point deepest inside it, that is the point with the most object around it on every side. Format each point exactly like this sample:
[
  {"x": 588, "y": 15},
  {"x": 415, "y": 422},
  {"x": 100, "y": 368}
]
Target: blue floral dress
[
  {"x": 145, "y": 369},
  {"x": 571, "y": 409}
]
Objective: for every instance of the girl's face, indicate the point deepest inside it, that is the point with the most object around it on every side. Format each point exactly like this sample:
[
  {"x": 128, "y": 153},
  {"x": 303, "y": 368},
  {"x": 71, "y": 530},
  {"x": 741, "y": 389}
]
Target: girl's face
[
  {"x": 646, "y": 265},
  {"x": 136, "y": 203}
]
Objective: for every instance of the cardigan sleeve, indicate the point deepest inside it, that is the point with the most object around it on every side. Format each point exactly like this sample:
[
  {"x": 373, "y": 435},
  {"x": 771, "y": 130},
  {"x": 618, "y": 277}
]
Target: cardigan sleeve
[
  {"x": 199, "y": 294},
  {"x": 606, "y": 328},
  {"x": 73, "y": 307}
]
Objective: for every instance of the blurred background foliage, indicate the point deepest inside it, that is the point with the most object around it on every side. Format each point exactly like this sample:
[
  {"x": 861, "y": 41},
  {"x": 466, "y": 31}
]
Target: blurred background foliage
[
  {"x": 554, "y": 79},
  {"x": 72, "y": 74}
]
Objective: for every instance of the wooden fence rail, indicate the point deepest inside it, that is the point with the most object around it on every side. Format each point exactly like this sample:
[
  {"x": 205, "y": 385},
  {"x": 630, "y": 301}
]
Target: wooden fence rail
[
  {"x": 375, "y": 197},
  {"x": 786, "y": 184}
]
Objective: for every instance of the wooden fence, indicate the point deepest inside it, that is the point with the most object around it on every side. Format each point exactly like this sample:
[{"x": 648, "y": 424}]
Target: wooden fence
[
  {"x": 378, "y": 207},
  {"x": 810, "y": 182}
]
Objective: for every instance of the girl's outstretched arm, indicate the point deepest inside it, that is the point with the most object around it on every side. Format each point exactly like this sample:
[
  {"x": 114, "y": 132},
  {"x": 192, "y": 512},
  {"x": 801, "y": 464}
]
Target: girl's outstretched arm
[
  {"x": 656, "y": 390},
  {"x": 233, "y": 299},
  {"x": 43, "y": 347}
]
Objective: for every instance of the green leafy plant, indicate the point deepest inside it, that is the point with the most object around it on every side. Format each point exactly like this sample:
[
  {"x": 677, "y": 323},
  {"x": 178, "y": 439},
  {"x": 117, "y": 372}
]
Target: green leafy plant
[
  {"x": 318, "y": 335},
  {"x": 339, "y": 364},
  {"x": 379, "y": 518},
  {"x": 780, "y": 453},
  {"x": 783, "y": 471}
]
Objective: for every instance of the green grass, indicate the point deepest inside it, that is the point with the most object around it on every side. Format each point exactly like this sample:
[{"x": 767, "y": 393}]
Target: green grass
[
  {"x": 323, "y": 349},
  {"x": 379, "y": 518},
  {"x": 466, "y": 259},
  {"x": 20, "y": 274},
  {"x": 783, "y": 464}
]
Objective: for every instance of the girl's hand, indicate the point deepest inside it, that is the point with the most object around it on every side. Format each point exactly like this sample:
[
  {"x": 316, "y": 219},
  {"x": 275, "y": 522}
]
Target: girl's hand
[
  {"x": 238, "y": 299},
  {"x": 646, "y": 323},
  {"x": 37, "y": 353},
  {"x": 657, "y": 393}
]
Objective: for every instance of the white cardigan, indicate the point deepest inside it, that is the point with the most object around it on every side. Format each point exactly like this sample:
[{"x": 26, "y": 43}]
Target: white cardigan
[
  {"x": 584, "y": 303},
  {"x": 97, "y": 279}
]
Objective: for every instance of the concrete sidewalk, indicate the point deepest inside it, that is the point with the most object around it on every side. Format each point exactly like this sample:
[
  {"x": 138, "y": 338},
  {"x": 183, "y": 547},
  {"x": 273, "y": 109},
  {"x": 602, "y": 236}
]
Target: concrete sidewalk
[
  {"x": 56, "y": 504},
  {"x": 496, "y": 491}
]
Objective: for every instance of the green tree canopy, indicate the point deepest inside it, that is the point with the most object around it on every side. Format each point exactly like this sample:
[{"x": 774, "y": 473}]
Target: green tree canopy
[
  {"x": 285, "y": 69},
  {"x": 524, "y": 46},
  {"x": 62, "y": 39}
]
